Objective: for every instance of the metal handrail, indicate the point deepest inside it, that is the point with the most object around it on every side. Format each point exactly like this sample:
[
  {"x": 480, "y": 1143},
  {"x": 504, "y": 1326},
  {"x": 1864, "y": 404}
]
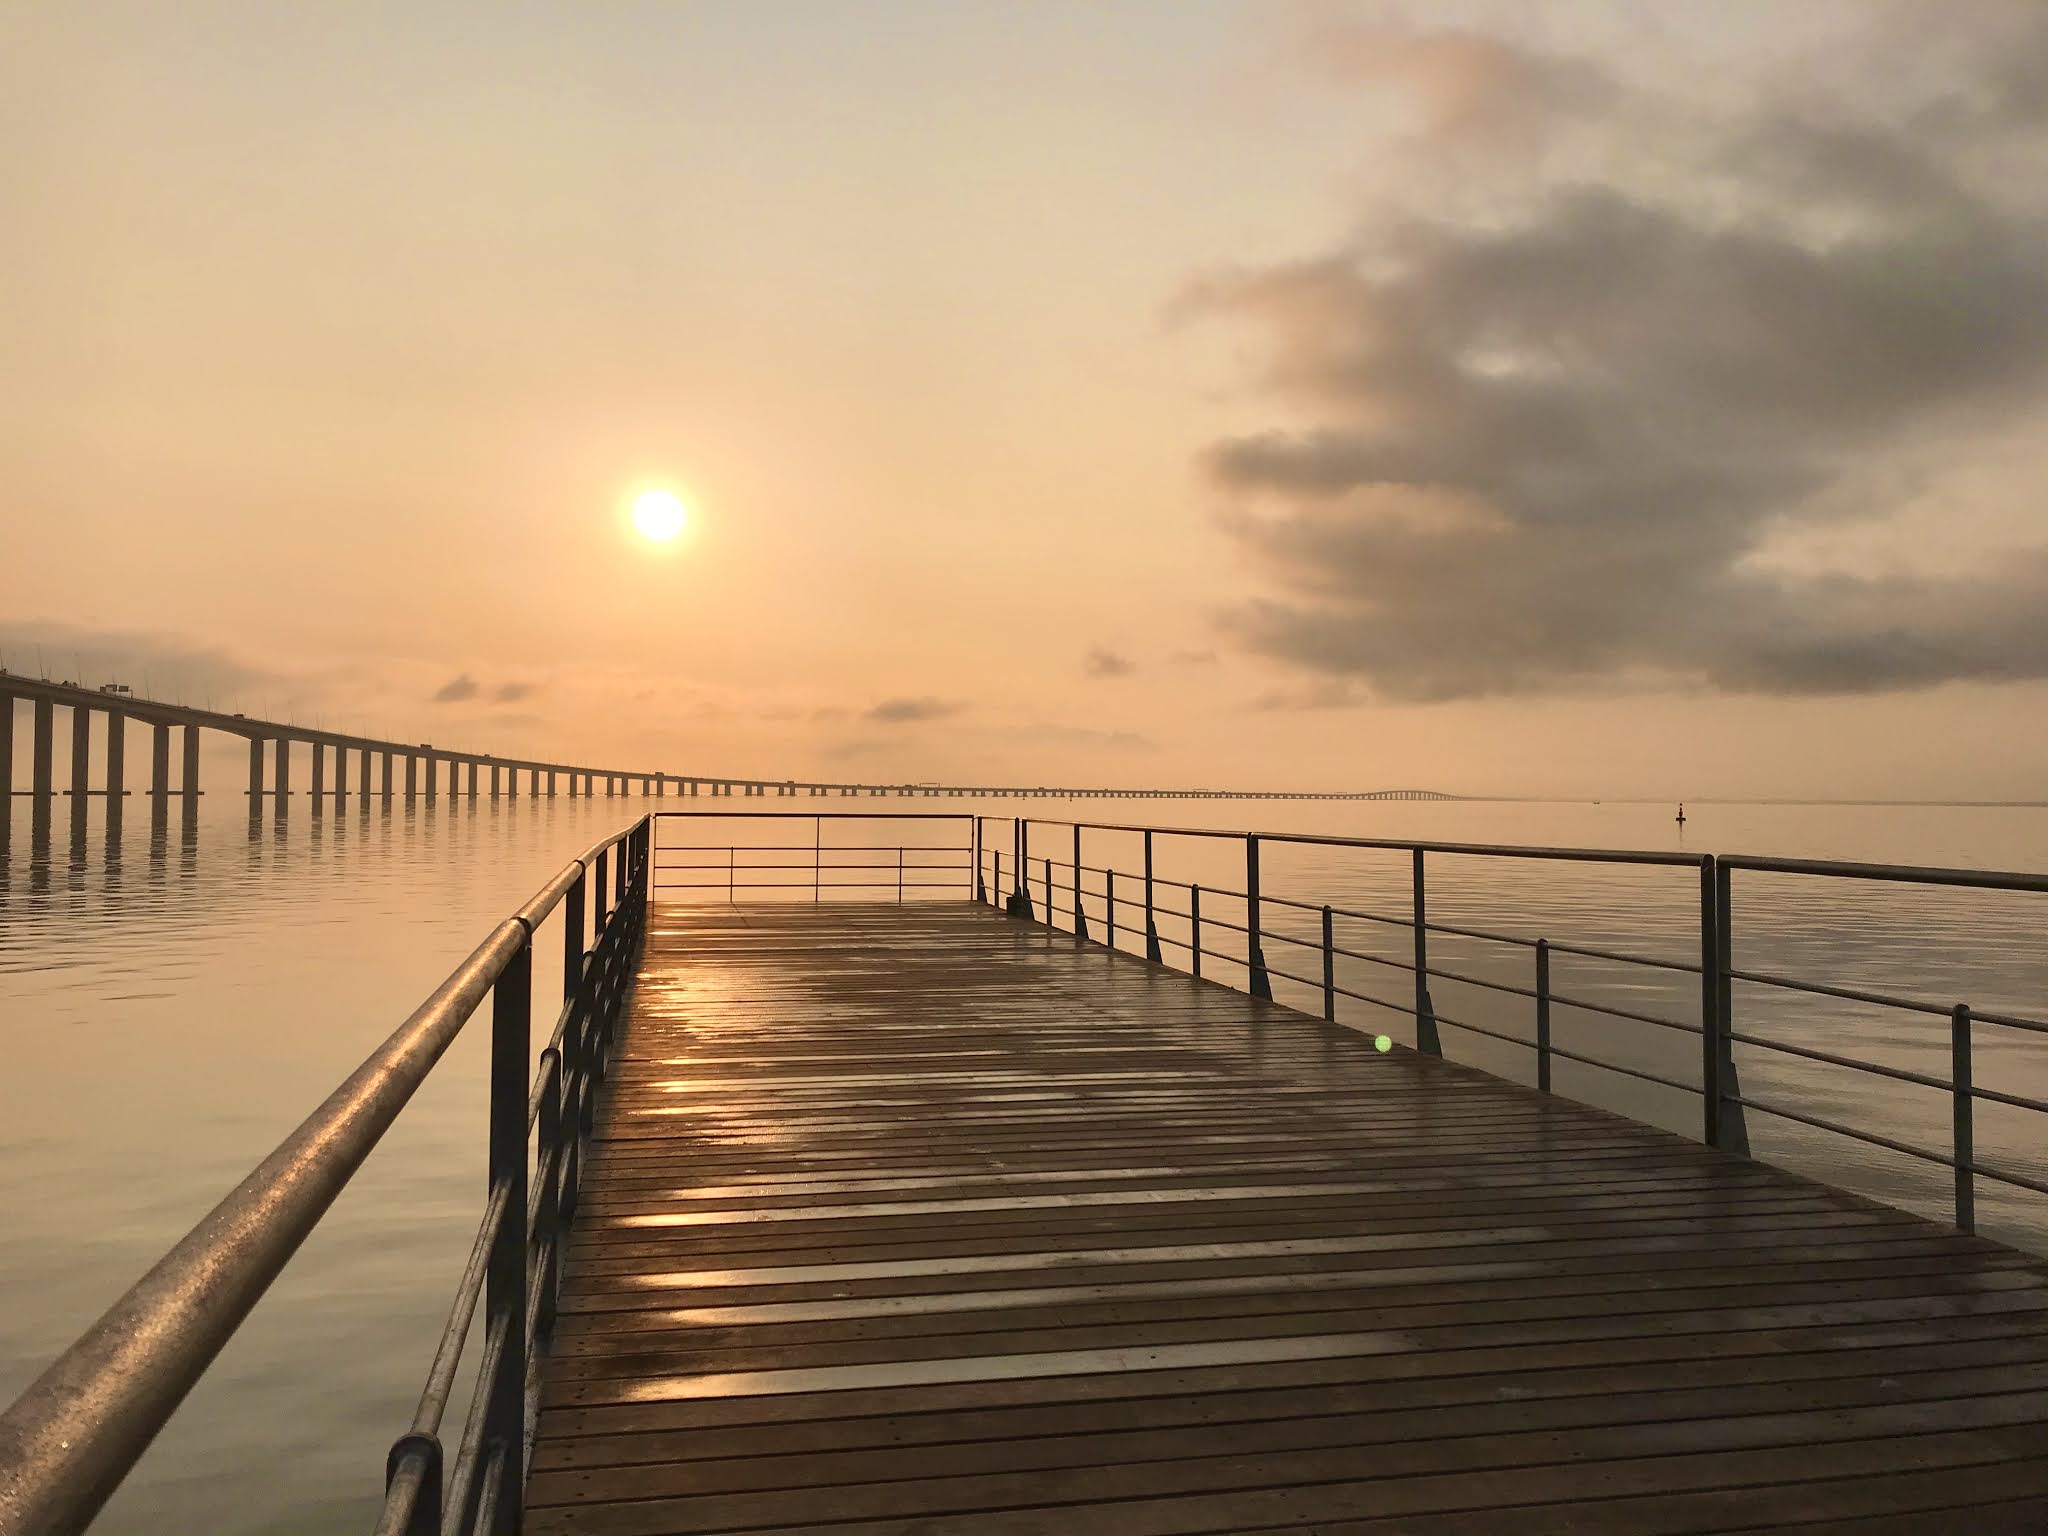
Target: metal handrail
[
  {"x": 1723, "y": 1101},
  {"x": 68, "y": 1441}
]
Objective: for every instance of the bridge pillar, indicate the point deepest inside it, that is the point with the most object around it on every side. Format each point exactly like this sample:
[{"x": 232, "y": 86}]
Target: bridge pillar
[
  {"x": 433, "y": 776},
  {"x": 81, "y": 754},
  {"x": 191, "y": 784},
  {"x": 6, "y": 763},
  {"x": 340, "y": 775},
  {"x": 117, "y": 772},
  {"x": 496, "y": 773},
  {"x": 363, "y": 776},
  {"x": 472, "y": 778},
  {"x": 281, "y": 773},
  {"x": 319, "y": 785},
  {"x": 160, "y": 767},
  {"x": 384, "y": 779},
  {"x": 412, "y": 775}
]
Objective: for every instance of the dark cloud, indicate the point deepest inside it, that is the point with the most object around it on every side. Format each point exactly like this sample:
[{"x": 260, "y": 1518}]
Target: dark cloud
[
  {"x": 1205, "y": 657},
  {"x": 1548, "y": 444},
  {"x": 512, "y": 693},
  {"x": 1103, "y": 662},
  {"x": 456, "y": 690},
  {"x": 907, "y": 711}
]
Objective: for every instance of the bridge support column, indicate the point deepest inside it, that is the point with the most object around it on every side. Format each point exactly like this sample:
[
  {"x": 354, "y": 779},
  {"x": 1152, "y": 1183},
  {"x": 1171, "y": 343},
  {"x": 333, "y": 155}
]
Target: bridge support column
[
  {"x": 160, "y": 767},
  {"x": 412, "y": 776},
  {"x": 319, "y": 785},
  {"x": 340, "y": 775},
  {"x": 281, "y": 773},
  {"x": 81, "y": 754},
  {"x": 433, "y": 777},
  {"x": 472, "y": 778},
  {"x": 191, "y": 784},
  {"x": 551, "y": 783},
  {"x": 117, "y": 753},
  {"x": 6, "y": 763},
  {"x": 384, "y": 779},
  {"x": 496, "y": 771},
  {"x": 363, "y": 775}
]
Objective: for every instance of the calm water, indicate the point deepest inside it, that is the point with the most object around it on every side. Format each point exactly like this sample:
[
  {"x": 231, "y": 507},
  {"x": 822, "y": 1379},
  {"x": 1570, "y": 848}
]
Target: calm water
[{"x": 175, "y": 1002}]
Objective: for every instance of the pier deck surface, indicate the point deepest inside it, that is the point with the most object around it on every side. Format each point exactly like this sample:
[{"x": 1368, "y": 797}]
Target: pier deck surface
[{"x": 921, "y": 1219}]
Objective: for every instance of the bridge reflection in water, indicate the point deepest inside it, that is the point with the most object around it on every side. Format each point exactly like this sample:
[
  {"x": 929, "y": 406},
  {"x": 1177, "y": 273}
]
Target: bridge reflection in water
[{"x": 896, "y": 1201}]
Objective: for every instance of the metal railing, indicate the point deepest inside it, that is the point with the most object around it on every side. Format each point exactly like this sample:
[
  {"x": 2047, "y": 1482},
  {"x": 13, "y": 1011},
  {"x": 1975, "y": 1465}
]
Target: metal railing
[
  {"x": 1034, "y": 892},
  {"x": 865, "y": 869},
  {"x": 66, "y": 1444}
]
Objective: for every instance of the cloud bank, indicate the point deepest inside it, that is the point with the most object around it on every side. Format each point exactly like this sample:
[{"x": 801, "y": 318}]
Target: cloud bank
[{"x": 1539, "y": 432}]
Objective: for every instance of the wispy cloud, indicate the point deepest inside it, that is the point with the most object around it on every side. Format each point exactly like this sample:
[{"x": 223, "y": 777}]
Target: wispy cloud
[
  {"x": 457, "y": 689},
  {"x": 1103, "y": 662},
  {"x": 907, "y": 711}
]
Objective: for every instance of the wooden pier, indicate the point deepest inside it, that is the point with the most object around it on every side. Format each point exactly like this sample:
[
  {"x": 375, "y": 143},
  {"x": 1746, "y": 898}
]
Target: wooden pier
[{"x": 923, "y": 1219}]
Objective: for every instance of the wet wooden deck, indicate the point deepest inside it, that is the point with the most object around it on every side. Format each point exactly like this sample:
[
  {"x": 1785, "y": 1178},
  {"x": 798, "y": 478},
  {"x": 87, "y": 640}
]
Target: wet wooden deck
[{"x": 919, "y": 1220}]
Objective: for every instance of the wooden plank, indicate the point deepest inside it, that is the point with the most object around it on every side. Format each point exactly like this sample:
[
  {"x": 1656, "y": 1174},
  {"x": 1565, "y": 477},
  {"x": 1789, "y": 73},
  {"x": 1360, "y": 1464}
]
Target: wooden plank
[{"x": 909, "y": 1218}]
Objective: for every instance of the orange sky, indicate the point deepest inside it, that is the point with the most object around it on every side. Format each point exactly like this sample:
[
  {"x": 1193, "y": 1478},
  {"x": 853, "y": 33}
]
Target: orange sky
[{"x": 1139, "y": 393}]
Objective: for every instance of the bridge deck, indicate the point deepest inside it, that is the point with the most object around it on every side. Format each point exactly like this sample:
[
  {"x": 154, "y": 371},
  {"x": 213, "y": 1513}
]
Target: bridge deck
[{"x": 920, "y": 1220}]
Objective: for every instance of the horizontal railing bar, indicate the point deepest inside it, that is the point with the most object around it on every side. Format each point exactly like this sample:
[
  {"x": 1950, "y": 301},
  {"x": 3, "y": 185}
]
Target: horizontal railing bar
[
  {"x": 1820, "y": 1123},
  {"x": 2017, "y": 1101},
  {"x": 1897, "y": 1074},
  {"x": 1377, "y": 1002},
  {"x": 1391, "y": 845},
  {"x": 426, "y": 1420},
  {"x": 1609, "y": 1009},
  {"x": 1614, "y": 1066},
  {"x": 1359, "y": 954},
  {"x": 1909, "y": 874},
  {"x": 962, "y": 853},
  {"x": 2007, "y": 1176},
  {"x": 1850, "y": 994},
  {"x": 1591, "y": 953},
  {"x": 797, "y": 815},
  {"x": 1437, "y": 972}
]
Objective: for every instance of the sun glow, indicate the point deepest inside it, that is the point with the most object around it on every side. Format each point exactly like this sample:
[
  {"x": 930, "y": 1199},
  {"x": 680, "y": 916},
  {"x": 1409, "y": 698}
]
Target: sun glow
[{"x": 659, "y": 515}]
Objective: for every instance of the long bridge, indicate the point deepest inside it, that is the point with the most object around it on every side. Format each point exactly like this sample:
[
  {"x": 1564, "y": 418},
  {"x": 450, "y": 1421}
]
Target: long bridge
[
  {"x": 413, "y": 770},
  {"x": 968, "y": 1200}
]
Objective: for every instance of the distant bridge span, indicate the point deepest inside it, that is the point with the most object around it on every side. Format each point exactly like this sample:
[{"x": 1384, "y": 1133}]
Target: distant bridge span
[{"x": 413, "y": 769}]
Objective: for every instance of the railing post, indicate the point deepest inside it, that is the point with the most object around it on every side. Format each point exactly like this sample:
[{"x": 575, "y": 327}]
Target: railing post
[
  {"x": 506, "y": 1278},
  {"x": 1257, "y": 982},
  {"x": 1080, "y": 912},
  {"x": 817, "y": 859},
  {"x": 1963, "y": 1107},
  {"x": 1195, "y": 929},
  {"x": 1731, "y": 1124},
  {"x": 1109, "y": 908},
  {"x": 1049, "y": 908},
  {"x": 732, "y": 876},
  {"x": 974, "y": 881},
  {"x": 1543, "y": 1015},
  {"x": 1712, "y": 985},
  {"x": 1151, "y": 929},
  {"x": 899, "y": 874},
  {"x": 1020, "y": 898},
  {"x": 1426, "y": 1040},
  {"x": 1329, "y": 966},
  {"x": 601, "y": 888}
]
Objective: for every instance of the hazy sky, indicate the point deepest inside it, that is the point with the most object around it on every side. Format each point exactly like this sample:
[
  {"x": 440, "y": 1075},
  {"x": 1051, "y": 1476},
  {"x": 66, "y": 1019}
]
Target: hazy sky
[{"x": 1616, "y": 398}]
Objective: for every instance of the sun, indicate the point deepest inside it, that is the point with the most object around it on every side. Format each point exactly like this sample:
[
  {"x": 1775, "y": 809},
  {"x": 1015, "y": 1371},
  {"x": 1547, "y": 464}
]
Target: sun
[{"x": 659, "y": 515}]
